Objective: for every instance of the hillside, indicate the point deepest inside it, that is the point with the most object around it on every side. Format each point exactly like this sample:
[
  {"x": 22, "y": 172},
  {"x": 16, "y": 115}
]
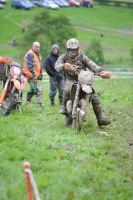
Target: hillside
[
  {"x": 92, "y": 164},
  {"x": 113, "y": 22}
]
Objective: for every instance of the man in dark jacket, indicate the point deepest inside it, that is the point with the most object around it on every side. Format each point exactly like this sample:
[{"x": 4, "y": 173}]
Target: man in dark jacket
[{"x": 56, "y": 78}]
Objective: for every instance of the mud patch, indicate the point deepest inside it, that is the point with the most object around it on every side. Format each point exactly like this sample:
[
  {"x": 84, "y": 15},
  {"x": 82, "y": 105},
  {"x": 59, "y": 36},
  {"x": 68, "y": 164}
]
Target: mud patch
[
  {"x": 105, "y": 31},
  {"x": 127, "y": 31},
  {"x": 68, "y": 147}
]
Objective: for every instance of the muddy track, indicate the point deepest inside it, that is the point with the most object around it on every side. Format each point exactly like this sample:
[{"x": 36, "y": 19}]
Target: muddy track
[{"x": 127, "y": 32}]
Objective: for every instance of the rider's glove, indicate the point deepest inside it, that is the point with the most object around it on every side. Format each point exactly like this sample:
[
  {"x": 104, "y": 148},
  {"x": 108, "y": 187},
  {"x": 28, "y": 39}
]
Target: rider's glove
[
  {"x": 69, "y": 67},
  {"x": 106, "y": 74}
]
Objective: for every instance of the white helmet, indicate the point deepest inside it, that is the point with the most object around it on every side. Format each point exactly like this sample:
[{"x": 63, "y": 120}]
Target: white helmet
[{"x": 72, "y": 47}]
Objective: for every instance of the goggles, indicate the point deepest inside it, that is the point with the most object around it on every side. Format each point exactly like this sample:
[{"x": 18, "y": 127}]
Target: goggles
[{"x": 72, "y": 50}]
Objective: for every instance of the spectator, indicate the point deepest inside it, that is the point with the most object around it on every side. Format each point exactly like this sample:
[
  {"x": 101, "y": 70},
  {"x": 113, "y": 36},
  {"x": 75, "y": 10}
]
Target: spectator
[
  {"x": 56, "y": 78},
  {"x": 23, "y": 28},
  {"x": 32, "y": 68}
]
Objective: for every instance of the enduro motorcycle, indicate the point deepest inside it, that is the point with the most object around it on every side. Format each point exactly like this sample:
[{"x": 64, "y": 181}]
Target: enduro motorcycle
[
  {"x": 80, "y": 97},
  {"x": 11, "y": 97}
]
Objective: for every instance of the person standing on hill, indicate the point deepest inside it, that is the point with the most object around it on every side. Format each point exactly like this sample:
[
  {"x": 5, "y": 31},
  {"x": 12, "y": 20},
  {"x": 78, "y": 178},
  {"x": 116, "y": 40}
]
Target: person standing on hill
[
  {"x": 56, "y": 78},
  {"x": 32, "y": 68},
  {"x": 23, "y": 28}
]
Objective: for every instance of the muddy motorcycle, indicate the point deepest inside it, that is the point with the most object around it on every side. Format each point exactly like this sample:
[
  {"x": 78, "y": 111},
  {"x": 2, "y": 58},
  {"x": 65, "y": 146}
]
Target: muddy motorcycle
[
  {"x": 11, "y": 96},
  {"x": 80, "y": 97}
]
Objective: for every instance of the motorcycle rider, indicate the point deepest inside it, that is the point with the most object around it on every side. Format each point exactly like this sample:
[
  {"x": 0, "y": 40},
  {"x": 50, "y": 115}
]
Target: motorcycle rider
[{"x": 72, "y": 62}]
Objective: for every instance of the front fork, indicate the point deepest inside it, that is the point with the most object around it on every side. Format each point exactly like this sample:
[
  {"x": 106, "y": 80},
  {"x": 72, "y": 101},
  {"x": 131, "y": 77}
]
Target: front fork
[
  {"x": 76, "y": 100},
  {"x": 19, "y": 94},
  {"x": 18, "y": 98}
]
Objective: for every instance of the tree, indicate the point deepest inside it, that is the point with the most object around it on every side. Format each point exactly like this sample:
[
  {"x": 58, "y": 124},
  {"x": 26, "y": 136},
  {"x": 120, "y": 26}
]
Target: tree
[
  {"x": 47, "y": 30},
  {"x": 95, "y": 52}
]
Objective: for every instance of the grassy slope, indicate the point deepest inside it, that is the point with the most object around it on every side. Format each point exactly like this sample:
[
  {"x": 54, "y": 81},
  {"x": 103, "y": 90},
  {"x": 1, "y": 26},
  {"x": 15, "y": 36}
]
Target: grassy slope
[
  {"x": 66, "y": 164},
  {"x": 69, "y": 165},
  {"x": 101, "y": 19}
]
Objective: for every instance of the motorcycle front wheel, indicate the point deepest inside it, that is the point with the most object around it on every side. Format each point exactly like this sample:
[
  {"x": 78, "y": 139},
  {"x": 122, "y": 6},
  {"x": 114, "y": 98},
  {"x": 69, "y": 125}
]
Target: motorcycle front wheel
[
  {"x": 76, "y": 123},
  {"x": 8, "y": 104}
]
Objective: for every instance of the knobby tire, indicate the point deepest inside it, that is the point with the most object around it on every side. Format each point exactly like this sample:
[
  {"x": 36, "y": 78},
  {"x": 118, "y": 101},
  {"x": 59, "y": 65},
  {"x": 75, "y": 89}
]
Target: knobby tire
[{"x": 8, "y": 104}]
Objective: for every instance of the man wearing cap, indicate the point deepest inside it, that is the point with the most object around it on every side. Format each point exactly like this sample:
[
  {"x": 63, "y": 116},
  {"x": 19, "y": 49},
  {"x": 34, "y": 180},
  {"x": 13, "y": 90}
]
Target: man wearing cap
[{"x": 56, "y": 78}]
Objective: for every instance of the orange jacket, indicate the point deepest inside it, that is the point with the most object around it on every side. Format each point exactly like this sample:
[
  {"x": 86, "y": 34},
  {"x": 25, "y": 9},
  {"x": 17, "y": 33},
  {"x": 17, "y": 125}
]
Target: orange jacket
[{"x": 37, "y": 68}]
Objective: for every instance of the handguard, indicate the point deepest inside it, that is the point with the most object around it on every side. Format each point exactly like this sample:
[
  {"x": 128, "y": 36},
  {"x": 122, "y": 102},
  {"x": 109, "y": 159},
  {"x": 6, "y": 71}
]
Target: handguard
[
  {"x": 106, "y": 74},
  {"x": 5, "y": 61}
]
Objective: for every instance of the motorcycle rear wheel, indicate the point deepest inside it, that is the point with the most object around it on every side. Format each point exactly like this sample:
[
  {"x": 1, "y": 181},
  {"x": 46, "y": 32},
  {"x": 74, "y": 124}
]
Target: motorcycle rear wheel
[{"x": 8, "y": 104}]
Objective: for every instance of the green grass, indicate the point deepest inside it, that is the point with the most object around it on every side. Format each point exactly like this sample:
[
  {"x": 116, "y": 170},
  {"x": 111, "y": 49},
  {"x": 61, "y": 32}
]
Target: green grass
[
  {"x": 100, "y": 19},
  {"x": 70, "y": 165},
  {"x": 67, "y": 164}
]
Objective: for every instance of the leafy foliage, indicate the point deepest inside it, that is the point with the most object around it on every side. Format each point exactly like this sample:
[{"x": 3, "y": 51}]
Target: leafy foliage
[
  {"x": 95, "y": 52},
  {"x": 47, "y": 30}
]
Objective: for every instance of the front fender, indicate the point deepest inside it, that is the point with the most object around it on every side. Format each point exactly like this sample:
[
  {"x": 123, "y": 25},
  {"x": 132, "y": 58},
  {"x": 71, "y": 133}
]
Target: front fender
[
  {"x": 18, "y": 85},
  {"x": 87, "y": 89}
]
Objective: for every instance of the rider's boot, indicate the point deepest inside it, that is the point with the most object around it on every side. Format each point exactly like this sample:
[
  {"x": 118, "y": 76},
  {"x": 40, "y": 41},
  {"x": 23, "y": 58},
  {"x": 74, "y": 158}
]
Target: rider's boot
[
  {"x": 101, "y": 120},
  {"x": 67, "y": 120}
]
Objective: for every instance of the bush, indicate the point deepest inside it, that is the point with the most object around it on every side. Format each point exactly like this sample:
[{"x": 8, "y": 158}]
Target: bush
[
  {"x": 95, "y": 52},
  {"x": 47, "y": 30}
]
